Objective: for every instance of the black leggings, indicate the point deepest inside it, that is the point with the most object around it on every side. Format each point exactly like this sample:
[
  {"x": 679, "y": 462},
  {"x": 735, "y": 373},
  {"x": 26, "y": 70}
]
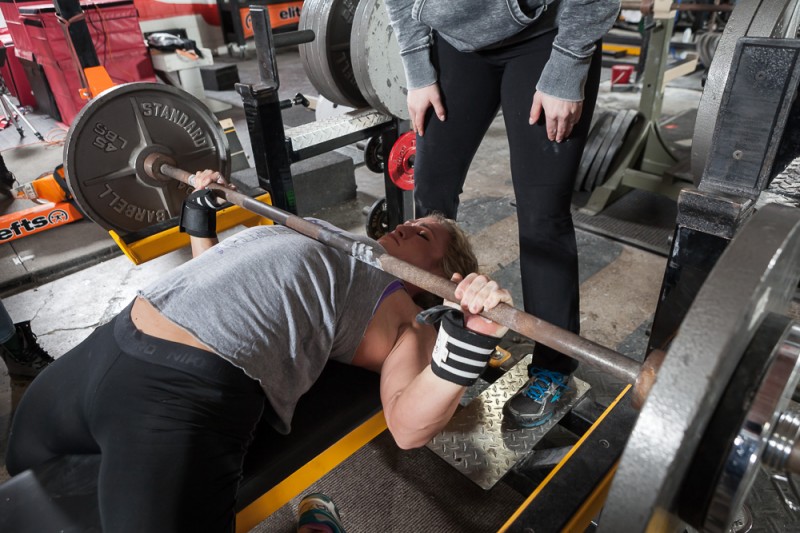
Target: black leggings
[
  {"x": 172, "y": 424},
  {"x": 474, "y": 86}
]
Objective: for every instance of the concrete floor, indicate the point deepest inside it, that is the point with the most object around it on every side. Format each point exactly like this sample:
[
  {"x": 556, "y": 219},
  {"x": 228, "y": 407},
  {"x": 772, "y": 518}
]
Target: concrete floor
[{"x": 618, "y": 297}]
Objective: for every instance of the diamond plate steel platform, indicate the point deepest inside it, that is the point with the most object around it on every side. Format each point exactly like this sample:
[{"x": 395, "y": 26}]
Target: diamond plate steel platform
[
  {"x": 478, "y": 444},
  {"x": 317, "y": 132}
]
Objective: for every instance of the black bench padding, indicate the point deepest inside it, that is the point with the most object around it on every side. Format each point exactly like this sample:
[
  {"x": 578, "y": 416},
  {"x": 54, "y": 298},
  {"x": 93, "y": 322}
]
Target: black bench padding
[
  {"x": 62, "y": 495},
  {"x": 341, "y": 399}
]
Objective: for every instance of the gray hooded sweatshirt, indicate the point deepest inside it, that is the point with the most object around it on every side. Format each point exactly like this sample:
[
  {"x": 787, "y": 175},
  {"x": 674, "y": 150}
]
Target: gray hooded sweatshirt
[{"x": 472, "y": 25}]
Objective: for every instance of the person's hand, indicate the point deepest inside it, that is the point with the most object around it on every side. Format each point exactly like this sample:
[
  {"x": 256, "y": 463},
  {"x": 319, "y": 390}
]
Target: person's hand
[
  {"x": 198, "y": 214},
  {"x": 204, "y": 178},
  {"x": 465, "y": 341},
  {"x": 560, "y": 115},
  {"x": 419, "y": 100},
  {"x": 477, "y": 293}
]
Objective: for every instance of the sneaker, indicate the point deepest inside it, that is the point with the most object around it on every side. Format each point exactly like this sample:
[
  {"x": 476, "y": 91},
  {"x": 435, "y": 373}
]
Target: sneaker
[
  {"x": 30, "y": 359},
  {"x": 535, "y": 403},
  {"x": 318, "y": 509}
]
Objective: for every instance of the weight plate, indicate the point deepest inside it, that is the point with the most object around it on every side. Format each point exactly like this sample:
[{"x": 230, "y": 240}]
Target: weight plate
[
  {"x": 373, "y": 155},
  {"x": 757, "y": 274},
  {"x": 401, "y": 161},
  {"x": 706, "y": 44},
  {"x": 376, "y": 60},
  {"x": 592, "y": 176},
  {"x": 599, "y": 129},
  {"x": 743, "y": 458},
  {"x": 378, "y": 219},
  {"x": 751, "y": 18},
  {"x": 630, "y": 118},
  {"x": 109, "y": 139},
  {"x": 708, "y": 468},
  {"x": 326, "y": 60},
  {"x": 312, "y": 54}
]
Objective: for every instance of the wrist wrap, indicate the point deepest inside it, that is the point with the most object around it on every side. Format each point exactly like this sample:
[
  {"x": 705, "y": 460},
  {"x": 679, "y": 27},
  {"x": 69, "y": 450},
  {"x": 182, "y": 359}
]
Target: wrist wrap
[
  {"x": 460, "y": 354},
  {"x": 199, "y": 214}
]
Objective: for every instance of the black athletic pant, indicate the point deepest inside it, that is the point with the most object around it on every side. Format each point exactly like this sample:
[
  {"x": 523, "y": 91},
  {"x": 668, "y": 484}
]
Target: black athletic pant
[
  {"x": 474, "y": 86},
  {"x": 171, "y": 422}
]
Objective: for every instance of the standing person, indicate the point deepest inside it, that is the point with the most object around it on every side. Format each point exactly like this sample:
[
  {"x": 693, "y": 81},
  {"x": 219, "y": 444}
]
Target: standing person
[
  {"x": 540, "y": 60},
  {"x": 170, "y": 391},
  {"x": 23, "y": 356}
]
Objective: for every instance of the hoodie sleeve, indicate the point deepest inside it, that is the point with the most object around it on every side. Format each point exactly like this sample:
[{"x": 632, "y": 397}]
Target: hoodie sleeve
[
  {"x": 581, "y": 23},
  {"x": 414, "y": 41}
]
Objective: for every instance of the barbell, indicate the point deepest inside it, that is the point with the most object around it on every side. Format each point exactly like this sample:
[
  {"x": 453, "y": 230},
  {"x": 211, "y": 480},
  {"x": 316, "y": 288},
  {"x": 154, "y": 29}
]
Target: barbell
[{"x": 131, "y": 150}]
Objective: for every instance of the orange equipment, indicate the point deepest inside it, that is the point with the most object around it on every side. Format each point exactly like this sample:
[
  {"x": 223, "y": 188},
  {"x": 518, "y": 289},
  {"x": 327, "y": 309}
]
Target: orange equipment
[{"x": 56, "y": 209}]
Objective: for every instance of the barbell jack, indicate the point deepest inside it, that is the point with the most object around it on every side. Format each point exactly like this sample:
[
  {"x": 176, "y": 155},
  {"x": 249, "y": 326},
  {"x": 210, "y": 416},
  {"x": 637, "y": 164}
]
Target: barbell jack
[{"x": 641, "y": 375}]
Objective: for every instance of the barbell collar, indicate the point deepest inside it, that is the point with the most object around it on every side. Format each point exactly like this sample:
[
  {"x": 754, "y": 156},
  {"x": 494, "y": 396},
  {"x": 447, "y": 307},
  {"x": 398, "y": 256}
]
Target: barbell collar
[{"x": 564, "y": 341}]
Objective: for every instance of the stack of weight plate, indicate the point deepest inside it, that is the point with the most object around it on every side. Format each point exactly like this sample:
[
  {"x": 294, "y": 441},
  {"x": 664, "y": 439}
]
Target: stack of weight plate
[
  {"x": 608, "y": 133},
  {"x": 354, "y": 60}
]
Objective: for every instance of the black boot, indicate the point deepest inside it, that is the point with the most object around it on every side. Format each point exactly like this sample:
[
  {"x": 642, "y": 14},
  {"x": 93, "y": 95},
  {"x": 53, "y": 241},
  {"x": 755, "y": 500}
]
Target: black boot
[
  {"x": 6, "y": 184},
  {"x": 7, "y": 179},
  {"x": 29, "y": 358}
]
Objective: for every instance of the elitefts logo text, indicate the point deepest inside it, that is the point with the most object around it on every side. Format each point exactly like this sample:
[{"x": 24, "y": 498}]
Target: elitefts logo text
[
  {"x": 29, "y": 225},
  {"x": 290, "y": 13}
]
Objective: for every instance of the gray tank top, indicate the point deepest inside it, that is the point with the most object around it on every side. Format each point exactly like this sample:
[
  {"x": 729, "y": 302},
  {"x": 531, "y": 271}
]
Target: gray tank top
[{"x": 276, "y": 304}]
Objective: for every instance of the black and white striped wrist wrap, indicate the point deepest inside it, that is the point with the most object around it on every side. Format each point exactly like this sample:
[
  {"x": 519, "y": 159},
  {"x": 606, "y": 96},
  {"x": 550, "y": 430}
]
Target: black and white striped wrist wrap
[{"x": 460, "y": 355}]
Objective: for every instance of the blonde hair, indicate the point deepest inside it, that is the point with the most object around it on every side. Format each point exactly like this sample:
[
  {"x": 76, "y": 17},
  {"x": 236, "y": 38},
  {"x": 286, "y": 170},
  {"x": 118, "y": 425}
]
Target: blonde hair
[{"x": 459, "y": 257}]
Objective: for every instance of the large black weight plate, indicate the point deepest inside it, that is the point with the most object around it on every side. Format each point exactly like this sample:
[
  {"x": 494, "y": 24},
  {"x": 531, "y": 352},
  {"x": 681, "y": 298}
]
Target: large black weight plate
[
  {"x": 620, "y": 136},
  {"x": 326, "y": 60},
  {"x": 599, "y": 129},
  {"x": 373, "y": 155},
  {"x": 378, "y": 219},
  {"x": 592, "y": 176},
  {"x": 109, "y": 139}
]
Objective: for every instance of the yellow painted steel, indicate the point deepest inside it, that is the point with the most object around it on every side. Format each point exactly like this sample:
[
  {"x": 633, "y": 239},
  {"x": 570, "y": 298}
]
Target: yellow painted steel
[
  {"x": 309, "y": 473},
  {"x": 591, "y": 506},
  {"x": 171, "y": 239},
  {"x": 630, "y": 50},
  {"x": 588, "y": 510}
]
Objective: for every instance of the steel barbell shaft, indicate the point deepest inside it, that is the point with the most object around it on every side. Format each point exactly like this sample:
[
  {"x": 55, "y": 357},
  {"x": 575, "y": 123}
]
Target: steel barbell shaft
[
  {"x": 675, "y": 6},
  {"x": 158, "y": 166}
]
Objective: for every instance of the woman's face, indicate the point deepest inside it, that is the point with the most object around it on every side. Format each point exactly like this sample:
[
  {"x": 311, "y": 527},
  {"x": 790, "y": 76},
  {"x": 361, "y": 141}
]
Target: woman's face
[{"x": 421, "y": 242}]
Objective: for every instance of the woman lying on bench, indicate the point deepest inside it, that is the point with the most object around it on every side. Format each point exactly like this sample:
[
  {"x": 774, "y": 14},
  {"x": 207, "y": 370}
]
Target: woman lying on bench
[{"x": 170, "y": 390}]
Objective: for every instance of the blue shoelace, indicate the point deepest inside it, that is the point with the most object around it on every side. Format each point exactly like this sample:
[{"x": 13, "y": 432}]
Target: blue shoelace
[{"x": 542, "y": 379}]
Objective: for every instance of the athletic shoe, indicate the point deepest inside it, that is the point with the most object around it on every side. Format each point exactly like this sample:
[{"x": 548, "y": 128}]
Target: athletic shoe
[
  {"x": 30, "y": 359},
  {"x": 319, "y": 509},
  {"x": 535, "y": 403}
]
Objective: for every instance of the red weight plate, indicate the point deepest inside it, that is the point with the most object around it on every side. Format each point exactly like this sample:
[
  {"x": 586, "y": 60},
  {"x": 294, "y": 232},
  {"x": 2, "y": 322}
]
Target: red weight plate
[{"x": 401, "y": 161}]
